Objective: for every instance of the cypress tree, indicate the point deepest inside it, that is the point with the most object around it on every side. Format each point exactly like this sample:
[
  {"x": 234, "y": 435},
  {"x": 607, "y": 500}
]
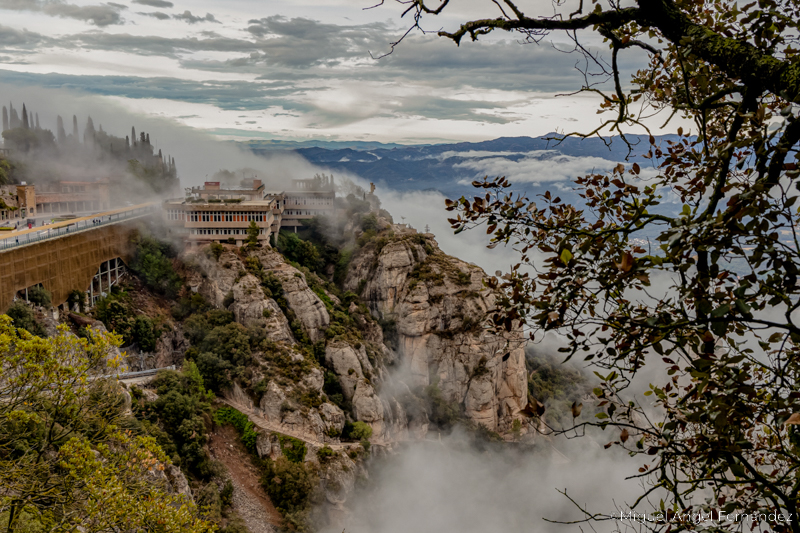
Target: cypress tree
[
  {"x": 13, "y": 118},
  {"x": 133, "y": 136},
  {"x": 5, "y": 118},
  {"x": 37, "y": 122},
  {"x": 75, "y": 127},
  {"x": 60, "y": 132},
  {"x": 25, "y": 123},
  {"x": 88, "y": 133},
  {"x": 147, "y": 139}
]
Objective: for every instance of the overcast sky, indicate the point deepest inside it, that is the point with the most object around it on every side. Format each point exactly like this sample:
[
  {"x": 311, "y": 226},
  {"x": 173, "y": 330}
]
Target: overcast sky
[{"x": 296, "y": 69}]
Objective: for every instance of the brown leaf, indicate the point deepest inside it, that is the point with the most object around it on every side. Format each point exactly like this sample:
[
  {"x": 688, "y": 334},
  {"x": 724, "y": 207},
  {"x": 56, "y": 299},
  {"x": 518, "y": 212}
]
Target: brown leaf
[
  {"x": 793, "y": 420},
  {"x": 534, "y": 408},
  {"x": 576, "y": 409},
  {"x": 624, "y": 435},
  {"x": 626, "y": 263}
]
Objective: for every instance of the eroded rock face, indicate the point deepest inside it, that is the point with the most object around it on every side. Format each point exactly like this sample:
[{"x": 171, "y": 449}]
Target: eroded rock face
[
  {"x": 343, "y": 360},
  {"x": 438, "y": 304},
  {"x": 215, "y": 278},
  {"x": 177, "y": 481},
  {"x": 271, "y": 402},
  {"x": 310, "y": 310},
  {"x": 368, "y": 408},
  {"x": 170, "y": 348},
  {"x": 268, "y": 445},
  {"x": 227, "y": 277},
  {"x": 306, "y": 423},
  {"x": 333, "y": 417}
]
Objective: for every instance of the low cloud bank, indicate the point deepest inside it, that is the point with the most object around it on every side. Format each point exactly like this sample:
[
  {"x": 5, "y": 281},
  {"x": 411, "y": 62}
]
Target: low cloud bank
[{"x": 450, "y": 487}]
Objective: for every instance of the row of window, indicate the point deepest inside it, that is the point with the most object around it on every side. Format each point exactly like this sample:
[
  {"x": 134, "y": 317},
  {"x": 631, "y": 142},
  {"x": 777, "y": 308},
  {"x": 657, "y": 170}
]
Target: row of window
[
  {"x": 304, "y": 212},
  {"x": 309, "y": 201},
  {"x": 215, "y": 216},
  {"x": 222, "y": 231}
]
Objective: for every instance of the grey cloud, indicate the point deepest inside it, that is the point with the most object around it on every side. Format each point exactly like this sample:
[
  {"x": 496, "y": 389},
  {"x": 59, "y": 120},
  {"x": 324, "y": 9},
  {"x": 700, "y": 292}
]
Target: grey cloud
[
  {"x": 302, "y": 42},
  {"x": 239, "y": 95},
  {"x": 537, "y": 167},
  {"x": 156, "y": 14},
  {"x": 149, "y": 45},
  {"x": 154, "y": 3},
  {"x": 99, "y": 15},
  {"x": 12, "y": 37},
  {"x": 187, "y": 16},
  {"x": 446, "y": 108}
]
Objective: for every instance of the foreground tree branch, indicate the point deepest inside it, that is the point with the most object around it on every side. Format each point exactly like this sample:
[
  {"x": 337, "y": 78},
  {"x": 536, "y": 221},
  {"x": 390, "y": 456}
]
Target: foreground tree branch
[{"x": 689, "y": 266}]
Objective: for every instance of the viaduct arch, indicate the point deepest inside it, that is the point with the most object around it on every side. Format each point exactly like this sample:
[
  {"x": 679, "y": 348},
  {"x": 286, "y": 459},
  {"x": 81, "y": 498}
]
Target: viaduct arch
[{"x": 65, "y": 263}]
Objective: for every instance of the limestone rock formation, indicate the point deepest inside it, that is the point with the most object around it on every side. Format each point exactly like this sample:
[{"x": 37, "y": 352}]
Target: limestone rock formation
[
  {"x": 344, "y": 361},
  {"x": 436, "y": 305},
  {"x": 228, "y": 278}
]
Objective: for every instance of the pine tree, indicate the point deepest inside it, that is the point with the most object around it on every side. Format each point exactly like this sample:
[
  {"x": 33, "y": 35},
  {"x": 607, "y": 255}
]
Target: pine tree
[
  {"x": 60, "y": 132},
  {"x": 5, "y": 118},
  {"x": 25, "y": 123},
  {"x": 75, "y": 127}
]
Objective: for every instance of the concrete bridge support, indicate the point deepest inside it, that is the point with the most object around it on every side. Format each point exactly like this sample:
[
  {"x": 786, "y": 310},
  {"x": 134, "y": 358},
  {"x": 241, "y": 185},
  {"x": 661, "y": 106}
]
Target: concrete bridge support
[{"x": 91, "y": 259}]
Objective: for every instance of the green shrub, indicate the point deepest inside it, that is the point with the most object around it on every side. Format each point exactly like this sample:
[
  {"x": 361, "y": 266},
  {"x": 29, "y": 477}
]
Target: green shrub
[
  {"x": 152, "y": 263},
  {"x": 208, "y": 502},
  {"x": 325, "y": 453},
  {"x": 293, "y": 449},
  {"x": 342, "y": 264},
  {"x": 288, "y": 484},
  {"x": 369, "y": 222},
  {"x": 228, "y": 300},
  {"x": 216, "y": 250},
  {"x": 189, "y": 305},
  {"x": 304, "y": 253},
  {"x": 38, "y": 295},
  {"x": 356, "y": 431},
  {"x": 442, "y": 413},
  {"x": 236, "y": 525},
  {"x": 252, "y": 235},
  {"x": 333, "y": 389},
  {"x": 175, "y": 419},
  {"x": 77, "y": 297},
  {"x": 145, "y": 333},
  {"x": 24, "y": 318},
  {"x": 226, "y": 494}
]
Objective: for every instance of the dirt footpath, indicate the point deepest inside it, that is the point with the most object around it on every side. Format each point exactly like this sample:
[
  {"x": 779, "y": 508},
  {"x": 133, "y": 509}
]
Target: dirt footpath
[{"x": 249, "y": 498}]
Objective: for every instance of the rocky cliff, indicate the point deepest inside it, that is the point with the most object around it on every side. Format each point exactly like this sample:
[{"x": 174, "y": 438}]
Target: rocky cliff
[
  {"x": 435, "y": 305},
  {"x": 418, "y": 321}
]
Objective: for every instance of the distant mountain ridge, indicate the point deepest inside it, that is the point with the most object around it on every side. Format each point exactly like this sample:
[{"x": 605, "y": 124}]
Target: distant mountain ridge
[{"x": 450, "y": 167}]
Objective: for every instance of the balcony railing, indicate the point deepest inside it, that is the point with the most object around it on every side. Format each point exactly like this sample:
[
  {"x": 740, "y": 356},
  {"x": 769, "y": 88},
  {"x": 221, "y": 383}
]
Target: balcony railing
[{"x": 24, "y": 239}]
